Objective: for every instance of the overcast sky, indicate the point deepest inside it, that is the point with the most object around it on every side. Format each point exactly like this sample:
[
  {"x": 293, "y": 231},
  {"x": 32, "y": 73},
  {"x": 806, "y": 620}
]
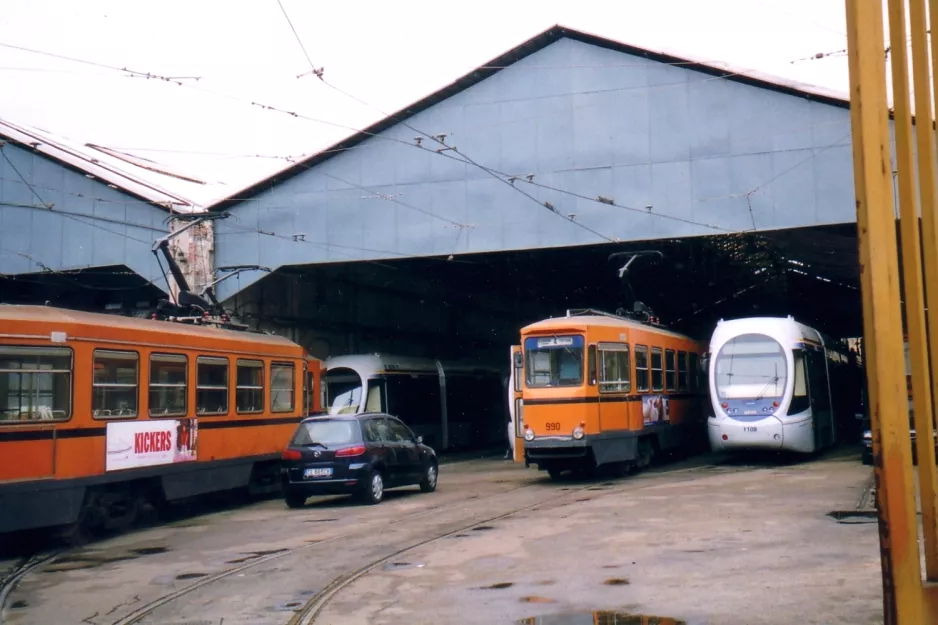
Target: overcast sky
[{"x": 387, "y": 54}]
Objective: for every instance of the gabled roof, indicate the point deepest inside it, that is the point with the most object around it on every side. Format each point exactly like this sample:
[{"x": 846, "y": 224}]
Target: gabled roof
[
  {"x": 101, "y": 166},
  {"x": 529, "y": 47}
]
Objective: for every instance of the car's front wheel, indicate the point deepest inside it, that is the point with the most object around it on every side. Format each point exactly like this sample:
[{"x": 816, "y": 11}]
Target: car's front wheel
[{"x": 430, "y": 475}]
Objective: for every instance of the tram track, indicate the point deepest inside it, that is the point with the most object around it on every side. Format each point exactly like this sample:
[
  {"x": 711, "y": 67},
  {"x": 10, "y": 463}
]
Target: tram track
[
  {"x": 315, "y": 605},
  {"x": 307, "y": 614},
  {"x": 26, "y": 566},
  {"x": 143, "y": 611}
]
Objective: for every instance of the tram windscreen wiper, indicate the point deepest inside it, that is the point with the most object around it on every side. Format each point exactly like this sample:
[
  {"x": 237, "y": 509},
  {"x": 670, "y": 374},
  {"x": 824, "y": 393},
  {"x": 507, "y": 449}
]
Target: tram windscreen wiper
[{"x": 772, "y": 382}]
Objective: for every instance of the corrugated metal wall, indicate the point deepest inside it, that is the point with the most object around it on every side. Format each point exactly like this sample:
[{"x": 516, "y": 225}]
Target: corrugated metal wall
[
  {"x": 688, "y": 153},
  {"x": 89, "y": 224}
]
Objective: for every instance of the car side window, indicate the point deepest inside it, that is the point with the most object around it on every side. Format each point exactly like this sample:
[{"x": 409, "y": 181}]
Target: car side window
[
  {"x": 399, "y": 432},
  {"x": 382, "y": 430},
  {"x": 371, "y": 431}
]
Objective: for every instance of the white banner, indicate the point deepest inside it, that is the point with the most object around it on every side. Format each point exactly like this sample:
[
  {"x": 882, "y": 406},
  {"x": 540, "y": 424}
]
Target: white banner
[{"x": 134, "y": 444}]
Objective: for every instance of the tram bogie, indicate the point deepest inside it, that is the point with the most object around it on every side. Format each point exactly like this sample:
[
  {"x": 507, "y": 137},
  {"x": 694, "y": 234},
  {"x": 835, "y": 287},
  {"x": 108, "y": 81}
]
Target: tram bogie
[
  {"x": 777, "y": 384},
  {"x": 600, "y": 390}
]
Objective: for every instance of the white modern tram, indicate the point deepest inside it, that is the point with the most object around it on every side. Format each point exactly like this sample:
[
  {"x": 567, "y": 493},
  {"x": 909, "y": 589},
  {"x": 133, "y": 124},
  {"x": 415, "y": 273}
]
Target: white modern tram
[
  {"x": 777, "y": 384},
  {"x": 451, "y": 405}
]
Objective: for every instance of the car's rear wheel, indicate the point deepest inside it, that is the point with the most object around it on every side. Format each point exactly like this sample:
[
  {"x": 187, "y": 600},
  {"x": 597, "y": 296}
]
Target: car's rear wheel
[
  {"x": 430, "y": 475},
  {"x": 294, "y": 499},
  {"x": 373, "y": 492}
]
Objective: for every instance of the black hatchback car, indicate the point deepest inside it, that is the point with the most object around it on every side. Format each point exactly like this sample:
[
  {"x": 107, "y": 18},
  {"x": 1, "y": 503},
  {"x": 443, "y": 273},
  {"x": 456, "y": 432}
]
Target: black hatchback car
[{"x": 360, "y": 454}]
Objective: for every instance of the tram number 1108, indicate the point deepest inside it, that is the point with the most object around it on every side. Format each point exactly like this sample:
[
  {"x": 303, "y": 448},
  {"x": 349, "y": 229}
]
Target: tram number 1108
[{"x": 750, "y": 428}]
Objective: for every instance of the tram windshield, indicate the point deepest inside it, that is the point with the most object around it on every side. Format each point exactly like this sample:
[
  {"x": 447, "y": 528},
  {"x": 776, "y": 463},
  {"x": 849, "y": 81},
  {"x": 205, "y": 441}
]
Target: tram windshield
[
  {"x": 554, "y": 361},
  {"x": 751, "y": 366},
  {"x": 343, "y": 391}
]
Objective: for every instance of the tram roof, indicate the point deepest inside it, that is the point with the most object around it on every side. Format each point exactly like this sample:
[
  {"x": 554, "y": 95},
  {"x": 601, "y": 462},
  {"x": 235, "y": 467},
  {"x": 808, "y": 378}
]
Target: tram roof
[
  {"x": 96, "y": 325},
  {"x": 585, "y": 321}
]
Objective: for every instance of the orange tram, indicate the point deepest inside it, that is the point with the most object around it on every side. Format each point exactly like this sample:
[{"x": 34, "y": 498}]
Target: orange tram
[
  {"x": 102, "y": 414},
  {"x": 600, "y": 390}
]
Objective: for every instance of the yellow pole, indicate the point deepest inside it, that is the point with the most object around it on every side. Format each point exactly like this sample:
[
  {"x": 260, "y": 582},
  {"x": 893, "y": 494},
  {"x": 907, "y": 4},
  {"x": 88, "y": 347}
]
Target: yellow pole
[
  {"x": 879, "y": 275},
  {"x": 928, "y": 475},
  {"x": 912, "y": 252}
]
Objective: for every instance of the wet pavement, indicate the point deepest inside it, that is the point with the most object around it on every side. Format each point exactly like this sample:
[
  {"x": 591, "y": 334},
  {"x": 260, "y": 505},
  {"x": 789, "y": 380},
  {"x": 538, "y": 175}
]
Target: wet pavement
[{"x": 690, "y": 543}]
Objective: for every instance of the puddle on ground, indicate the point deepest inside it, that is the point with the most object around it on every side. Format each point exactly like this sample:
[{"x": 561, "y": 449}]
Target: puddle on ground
[
  {"x": 498, "y": 586},
  {"x": 601, "y": 616},
  {"x": 319, "y": 520},
  {"x": 288, "y": 606},
  {"x": 394, "y": 566},
  {"x": 19, "y": 604},
  {"x": 186, "y": 576},
  {"x": 854, "y": 517},
  {"x": 83, "y": 562},
  {"x": 536, "y": 599},
  {"x": 149, "y": 551},
  {"x": 617, "y": 581},
  {"x": 482, "y": 528}
]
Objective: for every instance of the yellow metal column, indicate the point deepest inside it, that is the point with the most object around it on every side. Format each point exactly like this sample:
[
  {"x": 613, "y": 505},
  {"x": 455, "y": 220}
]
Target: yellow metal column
[
  {"x": 912, "y": 254},
  {"x": 883, "y": 337}
]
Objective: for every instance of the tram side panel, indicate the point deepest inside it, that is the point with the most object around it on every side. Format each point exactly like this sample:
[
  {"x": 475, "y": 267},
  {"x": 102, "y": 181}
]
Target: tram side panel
[{"x": 130, "y": 427}]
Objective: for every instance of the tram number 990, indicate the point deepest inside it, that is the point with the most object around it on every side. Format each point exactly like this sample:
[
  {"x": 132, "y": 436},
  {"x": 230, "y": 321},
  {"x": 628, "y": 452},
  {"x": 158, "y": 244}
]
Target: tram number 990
[{"x": 553, "y": 427}]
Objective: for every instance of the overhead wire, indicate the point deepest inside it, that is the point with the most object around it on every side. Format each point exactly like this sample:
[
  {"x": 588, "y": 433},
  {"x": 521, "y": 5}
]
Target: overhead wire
[
  {"x": 498, "y": 175},
  {"x": 51, "y": 208}
]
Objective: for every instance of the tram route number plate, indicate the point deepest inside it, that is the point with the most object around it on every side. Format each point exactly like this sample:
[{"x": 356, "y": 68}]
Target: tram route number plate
[
  {"x": 750, "y": 428},
  {"x": 308, "y": 473}
]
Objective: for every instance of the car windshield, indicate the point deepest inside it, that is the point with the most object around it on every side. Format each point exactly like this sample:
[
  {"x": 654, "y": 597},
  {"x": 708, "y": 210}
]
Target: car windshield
[
  {"x": 554, "y": 360},
  {"x": 751, "y": 366},
  {"x": 327, "y": 432}
]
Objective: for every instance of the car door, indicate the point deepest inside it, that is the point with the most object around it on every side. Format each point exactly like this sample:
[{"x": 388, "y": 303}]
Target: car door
[
  {"x": 408, "y": 457},
  {"x": 377, "y": 445},
  {"x": 391, "y": 450}
]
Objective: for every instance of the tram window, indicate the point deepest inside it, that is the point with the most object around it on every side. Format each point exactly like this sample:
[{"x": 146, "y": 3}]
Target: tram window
[
  {"x": 615, "y": 368},
  {"x": 670, "y": 375},
  {"x": 694, "y": 377},
  {"x": 35, "y": 384},
  {"x": 554, "y": 361},
  {"x": 115, "y": 384},
  {"x": 211, "y": 391},
  {"x": 415, "y": 398},
  {"x": 641, "y": 368},
  {"x": 799, "y": 395},
  {"x": 249, "y": 392},
  {"x": 682, "y": 381},
  {"x": 168, "y": 383},
  {"x": 657, "y": 384},
  {"x": 281, "y": 387}
]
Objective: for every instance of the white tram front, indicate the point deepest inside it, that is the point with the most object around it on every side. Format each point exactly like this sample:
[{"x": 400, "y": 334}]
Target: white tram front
[
  {"x": 777, "y": 384},
  {"x": 451, "y": 405}
]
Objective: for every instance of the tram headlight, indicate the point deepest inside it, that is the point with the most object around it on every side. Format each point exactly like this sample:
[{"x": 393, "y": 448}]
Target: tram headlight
[
  {"x": 528, "y": 434},
  {"x": 578, "y": 433}
]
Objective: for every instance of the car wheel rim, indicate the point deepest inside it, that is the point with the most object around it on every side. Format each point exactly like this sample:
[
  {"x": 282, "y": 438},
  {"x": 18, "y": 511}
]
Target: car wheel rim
[
  {"x": 431, "y": 476},
  {"x": 377, "y": 486}
]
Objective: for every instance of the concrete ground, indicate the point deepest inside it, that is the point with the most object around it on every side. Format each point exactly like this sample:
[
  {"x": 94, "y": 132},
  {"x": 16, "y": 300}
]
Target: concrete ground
[{"x": 701, "y": 541}]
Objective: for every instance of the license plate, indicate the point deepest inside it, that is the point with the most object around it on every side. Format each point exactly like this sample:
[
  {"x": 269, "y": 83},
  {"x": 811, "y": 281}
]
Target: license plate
[{"x": 317, "y": 472}]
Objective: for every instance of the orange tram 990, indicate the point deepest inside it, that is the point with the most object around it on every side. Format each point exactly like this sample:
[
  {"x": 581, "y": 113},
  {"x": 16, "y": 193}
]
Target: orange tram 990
[
  {"x": 100, "y": 414},
  {"x": 600, "y": 390}
]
